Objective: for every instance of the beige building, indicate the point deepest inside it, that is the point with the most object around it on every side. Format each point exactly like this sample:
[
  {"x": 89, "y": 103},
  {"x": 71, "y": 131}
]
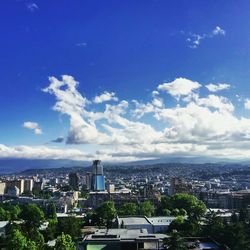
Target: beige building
[
  {"x": 28, "y": 185},
  {"x": 2, "y": 188},
  {"x": 16, "y": 183}
]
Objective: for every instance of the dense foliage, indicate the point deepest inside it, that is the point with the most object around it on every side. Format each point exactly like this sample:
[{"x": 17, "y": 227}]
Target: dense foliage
[{"x": 192, "y": 219}]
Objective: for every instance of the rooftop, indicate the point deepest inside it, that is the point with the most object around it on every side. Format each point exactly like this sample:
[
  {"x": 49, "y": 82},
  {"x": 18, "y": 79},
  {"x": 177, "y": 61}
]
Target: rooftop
[
  {"x": 133, "y": 220},
  {"x": 161, "y": 220},
  {"x": 123, "y": 235}
]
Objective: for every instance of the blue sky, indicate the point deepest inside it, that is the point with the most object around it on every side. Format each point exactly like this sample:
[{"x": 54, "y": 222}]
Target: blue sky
[{"x": 125, "y": 50}]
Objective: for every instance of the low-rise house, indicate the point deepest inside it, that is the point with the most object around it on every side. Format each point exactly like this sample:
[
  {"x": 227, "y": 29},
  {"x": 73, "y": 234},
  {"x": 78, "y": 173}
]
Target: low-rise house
[
  {"x": 160, "y": 224},
  {"x": 122, "y": 239},
  {"x": 151, "y": 224}
]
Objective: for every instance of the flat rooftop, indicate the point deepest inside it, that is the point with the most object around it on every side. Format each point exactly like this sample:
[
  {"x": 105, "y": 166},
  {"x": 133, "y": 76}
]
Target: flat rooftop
[
  {"x": 161, "y": 220},
  {"x": 122, "y": 234},
  {"x": 134, "y": 220}
]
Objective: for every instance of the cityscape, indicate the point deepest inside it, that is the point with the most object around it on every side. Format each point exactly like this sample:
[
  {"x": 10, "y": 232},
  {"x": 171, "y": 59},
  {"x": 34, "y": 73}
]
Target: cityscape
[
  {"x": 125, "y": 125},
  {"x": 105, "y": 203}
]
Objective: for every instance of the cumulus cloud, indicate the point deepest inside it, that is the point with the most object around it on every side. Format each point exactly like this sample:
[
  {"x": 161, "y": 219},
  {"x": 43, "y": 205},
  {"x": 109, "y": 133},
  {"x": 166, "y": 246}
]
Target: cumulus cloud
[
  {"x": 179, "y": 87},
  {"x": 194, "y": 39},
  {"x": 105, "y": 97},
  {"x": 133, "y": 130},
  {"x": 33, "y": 126},
  {"x": 218, "y": 31},
  {"x": 70, "y": 102},
  {"x": 217, "y": 102},
  {"x": 217, "y": 87},
  {"x": 247, "y": 104}
]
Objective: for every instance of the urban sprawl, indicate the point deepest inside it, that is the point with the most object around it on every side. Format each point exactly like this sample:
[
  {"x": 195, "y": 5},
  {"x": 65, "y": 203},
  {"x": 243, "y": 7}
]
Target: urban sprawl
[{"x": 161, "y": 206}]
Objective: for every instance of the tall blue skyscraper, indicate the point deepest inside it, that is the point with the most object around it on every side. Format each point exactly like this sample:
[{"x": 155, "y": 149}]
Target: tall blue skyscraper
[{"x": 98, "y": 183}]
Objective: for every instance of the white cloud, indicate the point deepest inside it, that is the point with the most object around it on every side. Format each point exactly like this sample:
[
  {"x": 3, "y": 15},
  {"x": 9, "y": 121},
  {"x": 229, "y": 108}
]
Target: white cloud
[
  {"x": 158, "y": 102},
  {"x": 196, "y": 126},
  {"x": 41, "y": 152},
  {"x": 217, "y": 87},
  {"x": 105, "y": 97},
  {"x": 155, "y": 93},
  {"x": 179, "y": 87},
  {"x": 218, "y": 102},
  {"x": 218, "y": 31},
  {"x": 33, "y": 126},
  {"x": 247, "y": 104},
  {"x": 32, "y": 7},
  {"x": 194, "y": 40},
  {"x": 141, "y": 109},
  {"x": 70, "y": 102}
]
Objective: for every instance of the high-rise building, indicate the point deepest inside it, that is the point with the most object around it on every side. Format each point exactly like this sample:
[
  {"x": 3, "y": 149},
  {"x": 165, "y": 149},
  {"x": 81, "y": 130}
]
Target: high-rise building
[
  {"x": 16, "y": 183},
  {"x": 74, "y": 181},
  {"x": 28, "y": 185},
  {"x": 88, "y": 180},
  {"x": 38, "y": 186},
  {"x": 98, "y": 183}
]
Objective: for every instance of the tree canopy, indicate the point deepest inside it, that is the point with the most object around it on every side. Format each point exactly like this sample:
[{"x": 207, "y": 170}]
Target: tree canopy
[
  {"x": 17, "y": 240},
  {"x": 106, "y": 212},
  {"x": 147, "y": 208},
  {"x": 193, "y": 206},
  {"x": 128, "y": 209},
  {"x": 64, "y": 242},
  {"x": 32, "y": 215}
]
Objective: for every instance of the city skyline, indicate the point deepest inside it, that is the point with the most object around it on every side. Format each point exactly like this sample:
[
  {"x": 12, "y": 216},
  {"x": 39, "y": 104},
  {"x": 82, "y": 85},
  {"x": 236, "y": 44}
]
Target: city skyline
[{"x": 120, "y": 82}]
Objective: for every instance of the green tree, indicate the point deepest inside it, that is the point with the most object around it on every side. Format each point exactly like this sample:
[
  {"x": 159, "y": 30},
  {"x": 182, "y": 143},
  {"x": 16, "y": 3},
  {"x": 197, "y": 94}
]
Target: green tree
[
  {"x": 166, "y": 212},
  {"x": 35, "y": 236},
  {"x": 4, "y": 215},
  {"x": 17, "y": 240},
  {"x": 182, "y": 212},
  {"x": 51, "y": 211},
  {"x": 31, "y": 245},
  {"x": 50, "y": 231},
  {"x": 194, "y": 207},
  {"x": 14, "y": 212},
  {"x": 164, "y": 206},
  {"x": 128, "y": 209},
  {"x": 69, "y": 225},
  {"x": 106, "y": 212},
  {"x": 165, "y": 202},
  {"x": 175, "y": 242},
  {"x": 9, "y": 212},
  {"x": 32, "y": 215},
  {"x": 177, "y": 224},
  {"x": 235, "y": 237},
  {"x": 64, "y": 242},
  {"x": 176, "y": 212},
  {"x": 214, "y": 226},
  {"x": 147, "y": 208}
]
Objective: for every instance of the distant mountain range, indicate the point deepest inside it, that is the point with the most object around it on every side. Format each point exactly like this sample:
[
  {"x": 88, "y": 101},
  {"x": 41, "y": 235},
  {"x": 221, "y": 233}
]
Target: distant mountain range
[{"x": 8, "y": 166}]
